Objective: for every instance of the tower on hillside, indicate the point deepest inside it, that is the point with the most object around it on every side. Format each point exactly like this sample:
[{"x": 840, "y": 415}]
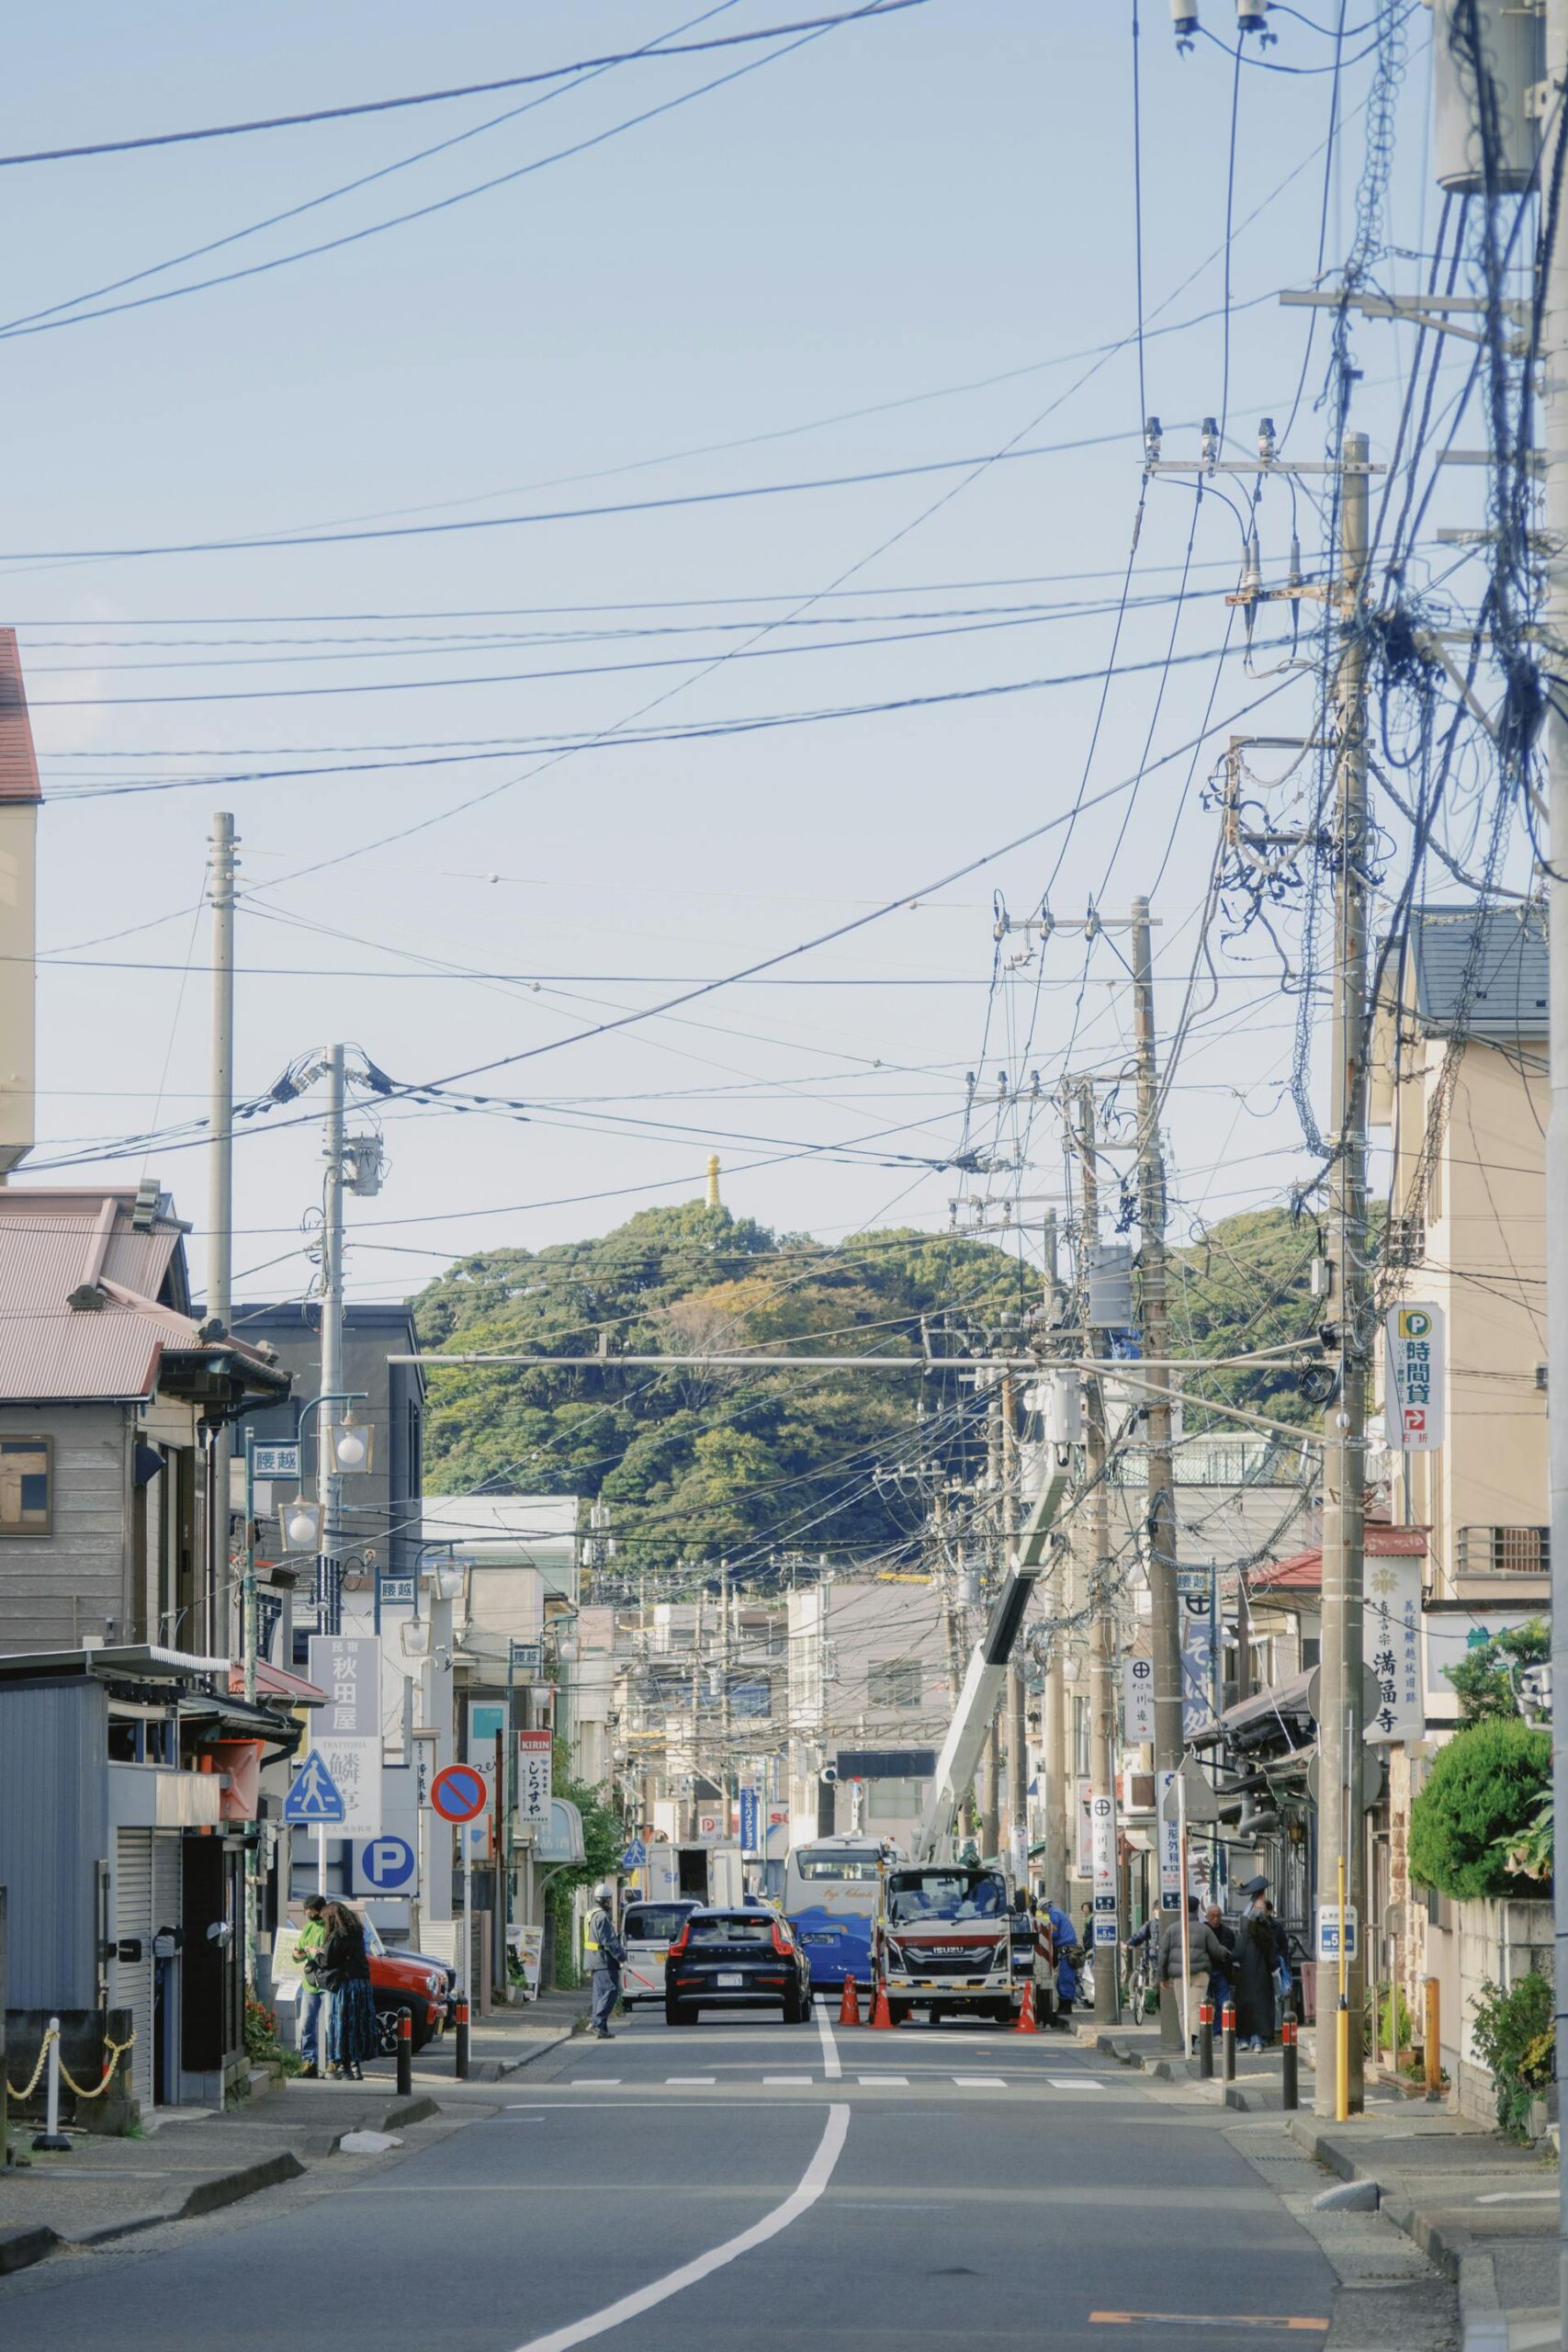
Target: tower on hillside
[
  {"x": 713, "y": 1180},
  {"x": 19, "y": 797}
]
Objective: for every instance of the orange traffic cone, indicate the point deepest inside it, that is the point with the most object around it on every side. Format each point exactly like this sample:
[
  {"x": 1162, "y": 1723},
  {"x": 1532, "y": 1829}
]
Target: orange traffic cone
[
  {"x": 881, "y": 2015},
  {"x": 1027, "y": 2022},
  {"x": 849, "y": 2006}
]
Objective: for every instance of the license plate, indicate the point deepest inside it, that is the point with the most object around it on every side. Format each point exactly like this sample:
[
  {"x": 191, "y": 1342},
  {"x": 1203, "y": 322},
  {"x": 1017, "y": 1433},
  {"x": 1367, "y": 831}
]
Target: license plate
[{"x": 727, "y": 1984}]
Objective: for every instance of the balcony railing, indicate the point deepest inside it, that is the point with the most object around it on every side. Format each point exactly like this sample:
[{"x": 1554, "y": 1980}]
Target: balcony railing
[{"x": 1504, "y": 1552}]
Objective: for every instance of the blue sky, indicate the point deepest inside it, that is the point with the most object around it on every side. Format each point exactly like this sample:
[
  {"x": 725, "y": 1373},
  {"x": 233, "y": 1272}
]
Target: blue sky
[{"x": 940, "y": 201}]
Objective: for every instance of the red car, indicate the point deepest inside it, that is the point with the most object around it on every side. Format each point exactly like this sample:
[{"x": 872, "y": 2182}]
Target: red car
[{"x": 400, "y": 1981}]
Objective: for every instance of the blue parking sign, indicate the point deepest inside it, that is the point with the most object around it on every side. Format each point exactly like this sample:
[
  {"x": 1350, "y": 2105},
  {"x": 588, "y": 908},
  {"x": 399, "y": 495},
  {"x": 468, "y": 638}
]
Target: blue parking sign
[{"x": 385, "y": 1865}]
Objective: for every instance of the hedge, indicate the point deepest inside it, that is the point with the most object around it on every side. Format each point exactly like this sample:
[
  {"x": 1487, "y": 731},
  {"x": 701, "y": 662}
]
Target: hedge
[{"x": 1482, "y": 1787}]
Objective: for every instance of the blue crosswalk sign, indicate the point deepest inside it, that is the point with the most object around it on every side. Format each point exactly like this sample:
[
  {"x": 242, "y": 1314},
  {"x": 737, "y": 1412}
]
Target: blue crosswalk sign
[
  {"x": 314, "y": 1795},
  {"x": 635, "y": 1856}
]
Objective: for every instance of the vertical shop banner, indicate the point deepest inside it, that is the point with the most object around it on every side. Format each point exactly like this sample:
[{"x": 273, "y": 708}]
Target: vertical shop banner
[
  {"x": 347, "y": 1731},
  {"x": 1198, "y": 1656},
  {"x": 1170, "y": 1846},
  {"x": 533, "y": 1788},
  {"x": 1413, "y": 1377},
  {"x": 1138, "y": 1701},
  {"x": 1392, "y": 1647}
]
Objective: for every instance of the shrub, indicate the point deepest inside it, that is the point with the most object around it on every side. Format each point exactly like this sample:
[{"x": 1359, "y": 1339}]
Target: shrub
[
  {"x": 1481, "y": 1792},
  {"x": 1515, "y": 2034}
]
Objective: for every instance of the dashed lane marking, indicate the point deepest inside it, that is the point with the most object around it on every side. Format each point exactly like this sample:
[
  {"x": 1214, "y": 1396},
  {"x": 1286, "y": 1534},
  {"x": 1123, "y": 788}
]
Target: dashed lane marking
[
  {"x": 789, "y": 2082},
  {"x": 901, "y": 2082},
  {"x": 703, "y": 2081},
  {"x": 981, "y": 2082}
]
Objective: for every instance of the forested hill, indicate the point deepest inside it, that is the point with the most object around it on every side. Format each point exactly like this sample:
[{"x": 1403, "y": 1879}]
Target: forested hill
[{"x": 736, "y": 1464}]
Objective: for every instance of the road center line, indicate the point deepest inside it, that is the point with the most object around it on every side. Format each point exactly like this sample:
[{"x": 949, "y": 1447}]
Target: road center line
[
  {"x": 829, "y": 2054},
  {"x": 813, "y": 2181}
]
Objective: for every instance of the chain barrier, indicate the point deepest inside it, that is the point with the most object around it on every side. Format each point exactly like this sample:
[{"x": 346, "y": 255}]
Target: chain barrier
[
  {"x": 113, "y": 2053},
  {"x": 31, "y": 2086}
]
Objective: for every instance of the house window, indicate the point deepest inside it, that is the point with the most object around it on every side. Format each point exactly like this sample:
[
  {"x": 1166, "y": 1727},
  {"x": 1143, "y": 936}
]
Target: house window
[
  {"x": 27, "y": 1485},
  {"x": 894, "y": 1682}
]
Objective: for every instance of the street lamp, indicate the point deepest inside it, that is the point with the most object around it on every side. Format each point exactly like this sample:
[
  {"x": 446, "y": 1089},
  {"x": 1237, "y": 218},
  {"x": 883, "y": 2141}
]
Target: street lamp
[{"x": 316, "y": 1537}]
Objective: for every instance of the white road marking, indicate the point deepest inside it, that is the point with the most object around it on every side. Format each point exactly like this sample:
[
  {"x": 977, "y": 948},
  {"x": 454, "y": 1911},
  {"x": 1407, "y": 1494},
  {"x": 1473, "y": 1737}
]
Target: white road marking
[
  {"x": 1521, "y": 2197},
  {"x": 829, "y": 2054},
  {"x": 902, "y": 2081},
  {"x": 1073, "y": 2082},
  {"x": 981, "y": 2082},
  {"x": 596, "y": 2083},
  {"x": 814, "y": 2180},
  {"x": 705, "y": 2079},
  {"x": 794, "y": 2081}
]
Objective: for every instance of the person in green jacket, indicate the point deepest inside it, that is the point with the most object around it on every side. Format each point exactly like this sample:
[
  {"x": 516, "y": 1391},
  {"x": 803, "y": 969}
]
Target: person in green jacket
[{"x": 306, "y": 1953}]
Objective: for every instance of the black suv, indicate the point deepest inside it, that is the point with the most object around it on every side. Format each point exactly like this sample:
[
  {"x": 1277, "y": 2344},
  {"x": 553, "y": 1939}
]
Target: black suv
[{"x": 736, "y": 1959}]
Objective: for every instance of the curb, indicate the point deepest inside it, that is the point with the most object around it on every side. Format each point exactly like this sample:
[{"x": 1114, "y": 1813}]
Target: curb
[
  {"x": 418, "y": 2109},
  {"x": 22, "y": 2247},
  {"x": 207, "y": 2197},
  {"x": 1482, "y": 2321},
  {"x": 1450, "y": 2249},
  {"x": 497, "y": 2070}
]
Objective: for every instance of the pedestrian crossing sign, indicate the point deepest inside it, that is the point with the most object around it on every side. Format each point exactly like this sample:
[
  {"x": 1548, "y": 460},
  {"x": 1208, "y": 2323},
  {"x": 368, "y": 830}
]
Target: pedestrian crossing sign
[{"x": 314, "y": 1795}]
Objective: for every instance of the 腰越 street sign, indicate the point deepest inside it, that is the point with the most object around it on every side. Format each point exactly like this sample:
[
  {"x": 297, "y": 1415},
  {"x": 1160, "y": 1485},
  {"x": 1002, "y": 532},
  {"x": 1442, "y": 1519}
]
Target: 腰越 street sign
[
  {"x": 313, "y": 1795},
  {"x": 275, "y": 1461},
  {"x": 1328, "y": 1938},
  {"x": 459, "y": 1793},
  {"x": 1139, "y": 1700},
  {"x": 386, "y": 1865}
]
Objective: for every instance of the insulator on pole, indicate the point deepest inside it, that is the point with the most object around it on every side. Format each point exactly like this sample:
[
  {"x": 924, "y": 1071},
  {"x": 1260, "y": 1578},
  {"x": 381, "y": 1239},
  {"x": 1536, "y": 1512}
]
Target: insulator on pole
[{"x": 1184, "y": 21}]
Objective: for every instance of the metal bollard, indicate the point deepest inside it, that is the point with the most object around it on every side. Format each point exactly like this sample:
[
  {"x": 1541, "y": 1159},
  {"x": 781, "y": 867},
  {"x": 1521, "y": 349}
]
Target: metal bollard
[
  {"x": 1289, "y": 2092},
  {"x": 1205, "y": 2041},
  {"x": 405, "y": 2053},
  {"x": 52, "y": 2139},
  {"x": 1229, "y": 2025},
  {"x": 462, "y": 2041}
]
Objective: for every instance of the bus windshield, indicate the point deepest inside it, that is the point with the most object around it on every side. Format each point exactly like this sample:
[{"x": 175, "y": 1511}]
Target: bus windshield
[
  {"x": 916, "y": 1895},
  {"x": 835, "y": 1866}
]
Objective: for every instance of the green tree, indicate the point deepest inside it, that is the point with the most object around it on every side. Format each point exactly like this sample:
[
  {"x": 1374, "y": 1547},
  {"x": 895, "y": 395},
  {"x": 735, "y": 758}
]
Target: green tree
[
  {"x": 1483, "y": 1791},
  {"x": 1248, "y": 1284}
]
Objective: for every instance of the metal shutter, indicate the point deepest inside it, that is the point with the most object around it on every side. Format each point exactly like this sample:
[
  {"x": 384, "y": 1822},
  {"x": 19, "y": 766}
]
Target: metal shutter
[{"x": 130, "y": 1981}]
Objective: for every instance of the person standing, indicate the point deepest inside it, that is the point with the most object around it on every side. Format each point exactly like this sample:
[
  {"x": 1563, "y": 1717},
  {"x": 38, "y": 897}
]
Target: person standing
[
  {"x": 1206, "y": 1955},
  {"x": 306, "y": 1955},
  {"x": 346, "y": 1974},
  {"x": 1068, "y": 1952},
  {"x": 1221, "y": 1986},
  {"x": 1258, "y": 1943},
  {"x": 609, "y": 1953}
]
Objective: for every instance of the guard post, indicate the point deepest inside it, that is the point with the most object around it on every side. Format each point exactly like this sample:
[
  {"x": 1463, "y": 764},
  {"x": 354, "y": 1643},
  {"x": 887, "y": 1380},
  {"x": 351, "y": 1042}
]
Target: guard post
[
  {"x": 462, "y": 2057},
  {"x": 1290, "y": 2089},
  {"x": 405, "y": 2053},
  {"x": 1206, "y": 2042},
  {"x": 1229, "y": 2039}
]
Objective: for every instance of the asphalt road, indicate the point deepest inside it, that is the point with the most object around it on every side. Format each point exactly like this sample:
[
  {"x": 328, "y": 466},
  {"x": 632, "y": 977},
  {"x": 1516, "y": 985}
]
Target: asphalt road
[{"x": 743, "y": 2181}]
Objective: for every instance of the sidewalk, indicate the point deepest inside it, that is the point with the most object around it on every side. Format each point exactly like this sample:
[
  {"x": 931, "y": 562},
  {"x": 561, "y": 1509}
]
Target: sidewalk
[
  {"x": 1482, "y": 2208},
  {"x": 193, "y": 2161},
  {"x": 1259, "y": 2084}
]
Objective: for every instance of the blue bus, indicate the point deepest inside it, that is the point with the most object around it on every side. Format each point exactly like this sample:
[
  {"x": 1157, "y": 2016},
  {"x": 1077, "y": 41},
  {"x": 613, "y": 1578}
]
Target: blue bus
[{"x": 832, "y": 1896}]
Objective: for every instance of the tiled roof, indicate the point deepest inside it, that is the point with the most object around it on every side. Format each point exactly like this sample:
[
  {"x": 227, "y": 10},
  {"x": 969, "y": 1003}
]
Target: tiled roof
[
  {"x": 18, "y": 762},
  {"x": 1509, "y": 997},
  {"x": 1304, "y": 1571}
]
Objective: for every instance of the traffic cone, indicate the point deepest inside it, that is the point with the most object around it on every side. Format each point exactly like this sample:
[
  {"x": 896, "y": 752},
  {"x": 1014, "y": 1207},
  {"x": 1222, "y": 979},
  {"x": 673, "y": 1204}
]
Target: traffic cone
[
  {"x": 849, "y": 2006},
  {"x": 1027, "y": 2022},
  {"x": 881, "y": 2015}
]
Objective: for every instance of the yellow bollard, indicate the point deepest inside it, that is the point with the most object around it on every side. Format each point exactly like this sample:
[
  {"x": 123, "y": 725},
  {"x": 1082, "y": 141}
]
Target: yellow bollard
[
  {"x": 1434, "y": 2040},
  {"x": 1342, "y": 2020}
]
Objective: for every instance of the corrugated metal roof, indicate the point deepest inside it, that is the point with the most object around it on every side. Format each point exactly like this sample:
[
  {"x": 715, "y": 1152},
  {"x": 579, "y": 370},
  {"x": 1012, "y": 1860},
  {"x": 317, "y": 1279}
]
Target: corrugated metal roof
[
  {"x": 1304, "y": 1571},
  {"x": 1509, "y": 995},
  {"x": 50, "y": 1246},
  {"x": 18, "y": 762}
]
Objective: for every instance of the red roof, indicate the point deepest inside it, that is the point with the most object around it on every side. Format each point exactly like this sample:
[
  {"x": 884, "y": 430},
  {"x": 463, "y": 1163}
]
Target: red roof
[
  {"x": 276, "y": 1682},
  {"x": 1303, "y": 1572},
  {"x": 19, "y": 762}
]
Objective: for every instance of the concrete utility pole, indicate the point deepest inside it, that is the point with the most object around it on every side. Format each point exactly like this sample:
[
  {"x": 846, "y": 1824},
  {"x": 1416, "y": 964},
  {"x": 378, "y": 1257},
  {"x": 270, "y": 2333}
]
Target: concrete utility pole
[
  {"x": 990, "y": 1777},
  {"x": 1102, "y": 1708},
  {"x": 328, "y": 1486},
  {"x": 1164, "y": 1618},
  {"x": 1341, "y": 1846},
  {"x": 1554, "y": 415},
  {"x": 1053, "y": 1704},
  {"x": 221, "y": 1194},
  {"x": 1018, "y": 1691}
]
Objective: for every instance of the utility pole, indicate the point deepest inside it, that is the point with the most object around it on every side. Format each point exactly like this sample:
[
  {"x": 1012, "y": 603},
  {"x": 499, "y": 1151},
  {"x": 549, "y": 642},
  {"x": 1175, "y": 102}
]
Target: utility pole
[
  {"x": 723, "y": 1663},
  {"x": 1103, "y": 1711},
  {"x": 329, "y": 1486},
  {"x": 1054, "y": 1701},
  {"x": 221, "y": 1200},
  {"x": 1018, "y": 1692},
  {"x": 1154, "y": 1328},
  {"x": 1340, "y": 1872},
  {"x": 1553, "y": 296},
  {"x": 990, "y": 1774}
]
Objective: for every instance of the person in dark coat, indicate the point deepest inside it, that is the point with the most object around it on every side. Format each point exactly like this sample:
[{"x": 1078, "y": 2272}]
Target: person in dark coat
[
  {"x": 344, "y": 1970},
  {"x": 1257, "y": 1941}
]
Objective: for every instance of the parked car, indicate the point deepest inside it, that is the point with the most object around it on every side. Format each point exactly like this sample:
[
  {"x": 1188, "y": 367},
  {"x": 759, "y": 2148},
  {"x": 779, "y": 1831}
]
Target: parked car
[
  {"x": 404, "y": 1980},
  {"x": 646, "y": 1931},
  {"x": 736, "y": 1958}
]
